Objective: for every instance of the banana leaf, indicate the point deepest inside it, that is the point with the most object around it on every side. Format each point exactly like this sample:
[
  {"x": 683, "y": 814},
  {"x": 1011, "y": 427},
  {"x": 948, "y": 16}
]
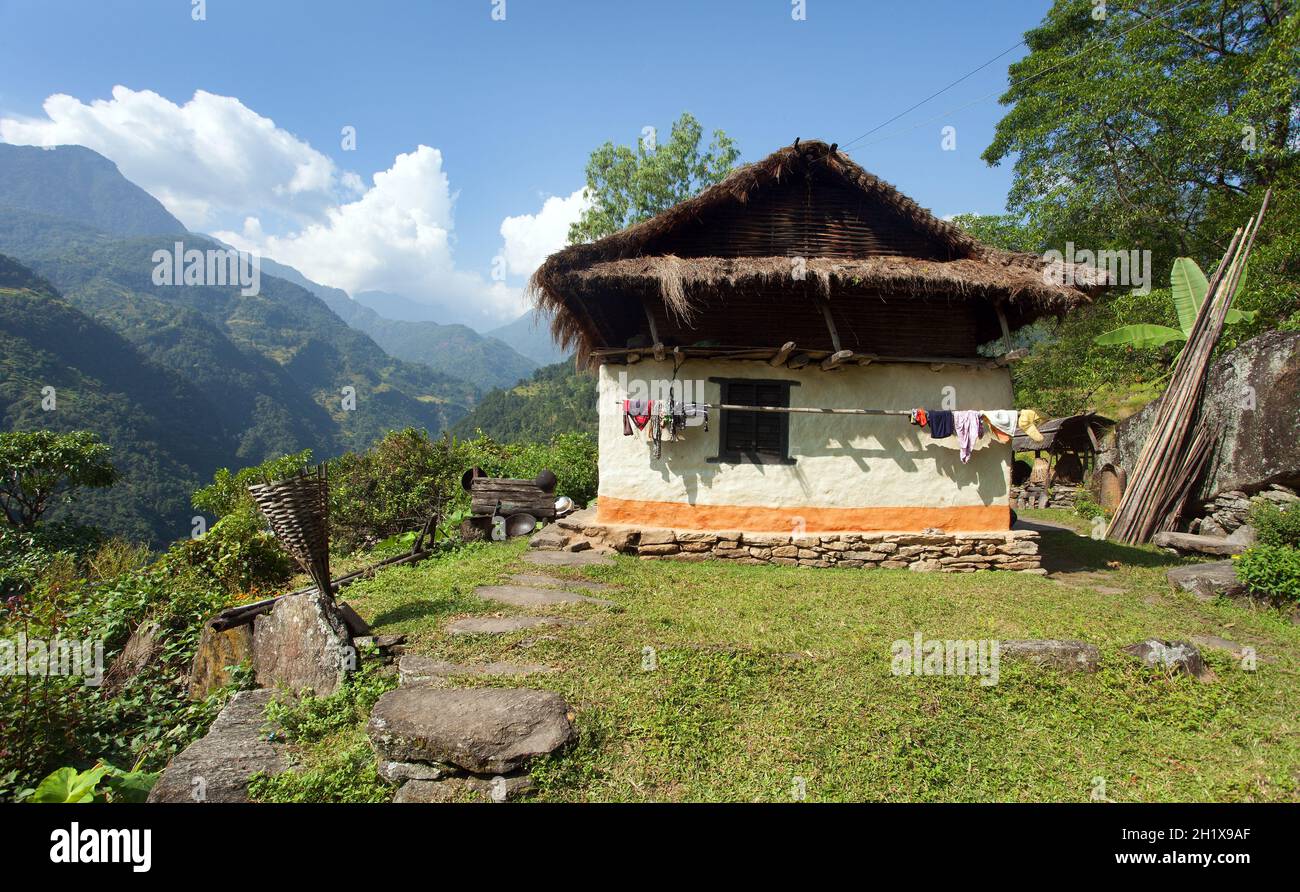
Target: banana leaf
[{"x": 1142, "y": 335}]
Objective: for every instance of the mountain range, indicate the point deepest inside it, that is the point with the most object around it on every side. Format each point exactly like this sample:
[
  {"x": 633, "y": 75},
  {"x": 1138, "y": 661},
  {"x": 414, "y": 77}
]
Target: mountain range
[{"x": 182, "y": 379}]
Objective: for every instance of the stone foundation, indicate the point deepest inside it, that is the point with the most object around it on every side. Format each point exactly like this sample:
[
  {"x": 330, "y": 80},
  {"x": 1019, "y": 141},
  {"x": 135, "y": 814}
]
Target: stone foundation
[
  {"x": 1033, "y": 495},
  {"x": 956, "y": 552}
]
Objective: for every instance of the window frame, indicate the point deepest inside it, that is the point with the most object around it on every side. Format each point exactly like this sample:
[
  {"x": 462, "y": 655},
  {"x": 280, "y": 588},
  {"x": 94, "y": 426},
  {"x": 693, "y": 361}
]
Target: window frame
[{"x": 753, "y": 457}]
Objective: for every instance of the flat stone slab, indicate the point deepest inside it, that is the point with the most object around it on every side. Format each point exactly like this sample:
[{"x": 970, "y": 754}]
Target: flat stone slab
[
  {"x": 482, "y": 730},
  {"x": 218, "y": 766},
  {"x": 458, "y": 789},
  {"x": 1194, "y": 544},
  {"x": 537, "y": 579},
  {"x": 416, "y": 669},
  {"x": 504, "y": 625},
  {"x": 1214, "y": 642},
  {"x": 531, "y": 596},
  {"x": 569, "y": 559},
  {"x": 1069, "y": 656},
  {"x": 1207, "y": 581}
]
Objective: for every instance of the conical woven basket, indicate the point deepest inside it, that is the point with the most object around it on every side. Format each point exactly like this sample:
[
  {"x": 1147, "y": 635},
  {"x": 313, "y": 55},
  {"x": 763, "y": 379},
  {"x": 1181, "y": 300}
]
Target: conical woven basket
[{"x": 297, "y": 509}]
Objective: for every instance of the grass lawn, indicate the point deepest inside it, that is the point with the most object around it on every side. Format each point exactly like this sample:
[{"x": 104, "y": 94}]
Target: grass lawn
[{"x": 770, "y": 674}]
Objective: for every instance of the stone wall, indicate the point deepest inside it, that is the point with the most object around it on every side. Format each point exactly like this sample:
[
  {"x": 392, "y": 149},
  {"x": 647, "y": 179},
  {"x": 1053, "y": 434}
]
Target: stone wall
[
  {"x": 1036, "y": 496},
  {"x": 955, "y": 552}
]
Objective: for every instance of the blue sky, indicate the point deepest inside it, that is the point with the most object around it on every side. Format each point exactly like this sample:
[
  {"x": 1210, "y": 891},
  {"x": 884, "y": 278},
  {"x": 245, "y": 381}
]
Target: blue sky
[{"x": 512, "y": 107}]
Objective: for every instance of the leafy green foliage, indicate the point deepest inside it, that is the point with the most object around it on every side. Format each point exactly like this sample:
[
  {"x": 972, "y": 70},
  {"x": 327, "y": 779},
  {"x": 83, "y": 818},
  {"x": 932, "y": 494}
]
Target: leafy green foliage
[
  {"x": 396, "y": 485},
  {"x": 228, "y": 492},
  {"x": 38, "y": 467},
  {"x": 236, "y": 554},
  {"x": 1188, "y": 287},
  {"x": 312, "y": 719},
  {"x": 1157, "y": 126},
  {"x": 100, "y": 783},
  {"x": 629, "y": 184},
  {"x": 1270, "y": 571},
  {"x": 1275, "y": 525},
  {"x": 343, "y": 774}
]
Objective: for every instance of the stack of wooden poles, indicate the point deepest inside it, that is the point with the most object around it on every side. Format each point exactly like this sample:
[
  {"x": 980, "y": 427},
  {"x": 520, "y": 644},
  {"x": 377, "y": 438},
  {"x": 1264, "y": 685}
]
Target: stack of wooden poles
[{"x": 1180, "y": 441}]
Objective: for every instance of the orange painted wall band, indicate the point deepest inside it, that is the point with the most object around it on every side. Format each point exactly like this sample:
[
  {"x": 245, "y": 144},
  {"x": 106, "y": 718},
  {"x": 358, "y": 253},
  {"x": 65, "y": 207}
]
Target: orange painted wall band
[{"x": 758, "y": 519}]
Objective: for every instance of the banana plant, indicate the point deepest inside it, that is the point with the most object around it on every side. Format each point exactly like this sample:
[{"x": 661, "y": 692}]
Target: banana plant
[{"x": 1189, "y": 287}]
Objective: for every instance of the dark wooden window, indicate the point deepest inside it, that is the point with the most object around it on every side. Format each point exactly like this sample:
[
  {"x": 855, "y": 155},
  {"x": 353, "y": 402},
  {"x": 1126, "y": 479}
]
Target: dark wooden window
[{"x": 759, "y": 437}]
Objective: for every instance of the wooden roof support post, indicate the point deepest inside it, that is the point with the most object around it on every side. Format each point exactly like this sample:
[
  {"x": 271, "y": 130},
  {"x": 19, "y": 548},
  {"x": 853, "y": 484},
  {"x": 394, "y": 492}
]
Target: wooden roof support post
[
  {"x": 836, "y": 359},
  {"x": 781, "y": 355},
  {"x": 654, "y": 330},
  {"x": 1006, "y": 329},
  {"x": 830, "y": 323}
]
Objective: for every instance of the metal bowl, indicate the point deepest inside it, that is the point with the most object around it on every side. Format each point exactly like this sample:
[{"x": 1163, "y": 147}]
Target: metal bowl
[
  {"x": 520, "y": 525},
  {"x": 563, "y": 505}
]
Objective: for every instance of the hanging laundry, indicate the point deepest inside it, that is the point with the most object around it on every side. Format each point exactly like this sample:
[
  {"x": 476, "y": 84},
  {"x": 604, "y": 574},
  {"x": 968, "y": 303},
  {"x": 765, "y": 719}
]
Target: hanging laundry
[
  {"x": 636, "y": 412},
  {"x": 969, "y": 424},
  {"x": 1028, "y": 422},
  {"x": 940, "y": 423},
  {"x": 920, "y": 417},
  {"x": 1002, "y": 423}
]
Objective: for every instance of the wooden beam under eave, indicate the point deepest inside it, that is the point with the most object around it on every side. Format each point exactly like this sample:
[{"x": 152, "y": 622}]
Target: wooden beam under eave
[
  {"x": 799, "y": 360},
  {"x": 836, "y": 359},
  {"x": 659, "y": 351},
  {"x": 782, "y": 355}
]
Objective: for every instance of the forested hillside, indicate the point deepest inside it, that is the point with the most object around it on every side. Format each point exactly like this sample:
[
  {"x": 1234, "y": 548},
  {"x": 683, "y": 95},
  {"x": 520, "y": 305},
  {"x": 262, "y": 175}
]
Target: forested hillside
[{"x": 557, "y": 399}]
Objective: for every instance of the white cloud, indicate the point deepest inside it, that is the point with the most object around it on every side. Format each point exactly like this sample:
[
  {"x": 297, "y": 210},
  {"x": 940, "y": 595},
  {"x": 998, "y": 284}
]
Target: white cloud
[
  {"x": 208, "y": 160},
  {"x": 221, "y": 167},
  {"x": 529, "y": 238},
  {"x": 396, "y": 237}
]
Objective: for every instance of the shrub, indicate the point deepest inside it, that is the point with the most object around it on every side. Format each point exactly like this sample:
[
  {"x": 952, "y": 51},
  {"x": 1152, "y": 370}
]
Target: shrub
[
  {"x": 1086, "y": 507},
  {"x": 1271, "y": 571},
  {"x": 228, "y": 492},
  {"x": 1275, "y": 525},
  {"x": 390, "y": 488},
  {"x": 236, "y": 554}
]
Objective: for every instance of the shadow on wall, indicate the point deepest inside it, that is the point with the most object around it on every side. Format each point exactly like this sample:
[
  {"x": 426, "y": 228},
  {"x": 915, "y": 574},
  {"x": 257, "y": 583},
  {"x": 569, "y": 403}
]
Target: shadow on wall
[{"x": 985, "y": 471}]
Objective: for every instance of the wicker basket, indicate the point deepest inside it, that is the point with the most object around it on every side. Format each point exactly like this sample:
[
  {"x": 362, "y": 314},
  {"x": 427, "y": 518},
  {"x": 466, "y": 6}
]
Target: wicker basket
[{"x": 297, "y": 509}]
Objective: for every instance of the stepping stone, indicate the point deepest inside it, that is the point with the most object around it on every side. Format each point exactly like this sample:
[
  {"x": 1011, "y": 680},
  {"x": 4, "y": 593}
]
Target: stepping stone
[
  {"x": 503, "y": 625},
  {"x": 554, "y": 582},
  {"x": 482, "y": 730},
  {"x": 417, "y": 669},
  {"x": 1175, "y": 656},
  {"x": 1069, "y": 656},
  {"x": 568, "y": 559},
  {"x": 457, "y": 789},
  {"x": 529, "y": 596},
  {"x": 218, "y": 766}
]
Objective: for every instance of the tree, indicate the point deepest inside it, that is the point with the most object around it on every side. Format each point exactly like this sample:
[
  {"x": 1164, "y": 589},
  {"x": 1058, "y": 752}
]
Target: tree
[
  {"x": 629, "y": 184},
  {"x": 39, "y": 466},
  {"x": 1153, "y": 124}
]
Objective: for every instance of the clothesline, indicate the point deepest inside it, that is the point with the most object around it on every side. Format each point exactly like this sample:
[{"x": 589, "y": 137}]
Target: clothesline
[{"x": 804, "y": 409}]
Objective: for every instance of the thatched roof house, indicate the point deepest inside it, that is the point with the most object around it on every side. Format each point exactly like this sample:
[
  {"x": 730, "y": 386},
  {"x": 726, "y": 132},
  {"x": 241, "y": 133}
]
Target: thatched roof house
[
  {"x": 718, "y": 268},
  {"x": 800, "y": 281}
]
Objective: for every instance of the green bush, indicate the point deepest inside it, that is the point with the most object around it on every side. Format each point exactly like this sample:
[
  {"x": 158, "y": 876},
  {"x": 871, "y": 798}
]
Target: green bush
[
  {"x": 1271, "y": 571},
  {"x": 237, "y": 554},
  {"x": 228, "y": 492},
  {"x": 1275, "y": 525},
  {"x": 1086, "y": 507},
  {"x": 390, "y": 488}
]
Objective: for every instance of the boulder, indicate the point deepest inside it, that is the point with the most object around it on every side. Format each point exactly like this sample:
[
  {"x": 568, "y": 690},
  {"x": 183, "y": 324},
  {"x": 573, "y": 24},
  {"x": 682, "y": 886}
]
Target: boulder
[
  {"x": 216, "y": 654},
  {"x": 1207, "y": 581},
  {"x": 1250, "y": 395},
  {"x": 1175, "y": 656},
  {"x": 218, "y": 766},
  {"x": 482, "y": 730},
  {"x": 303, "y": 643},
  {"x": 1068, "y": 656}
]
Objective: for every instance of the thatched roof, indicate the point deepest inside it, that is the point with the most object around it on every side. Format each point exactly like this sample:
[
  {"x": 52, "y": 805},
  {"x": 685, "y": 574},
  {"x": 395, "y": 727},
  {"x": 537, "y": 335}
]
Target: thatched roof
[
  {"x": 855, "y": 234},
  {"x": 1073, "y": 433}
]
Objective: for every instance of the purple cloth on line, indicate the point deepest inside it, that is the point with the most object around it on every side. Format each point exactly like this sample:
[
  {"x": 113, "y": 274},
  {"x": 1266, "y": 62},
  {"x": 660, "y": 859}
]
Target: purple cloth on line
[{"x": 968, "y": 423}]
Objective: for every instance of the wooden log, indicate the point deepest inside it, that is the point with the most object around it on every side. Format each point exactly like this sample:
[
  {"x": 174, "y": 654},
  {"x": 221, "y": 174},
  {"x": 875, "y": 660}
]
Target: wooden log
[
  {"x": 836, "y": 359},
  {"x": 782, "y": 355},
  {"x": 500, "y": 495},
  {"x": 830, "y": 323}
]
